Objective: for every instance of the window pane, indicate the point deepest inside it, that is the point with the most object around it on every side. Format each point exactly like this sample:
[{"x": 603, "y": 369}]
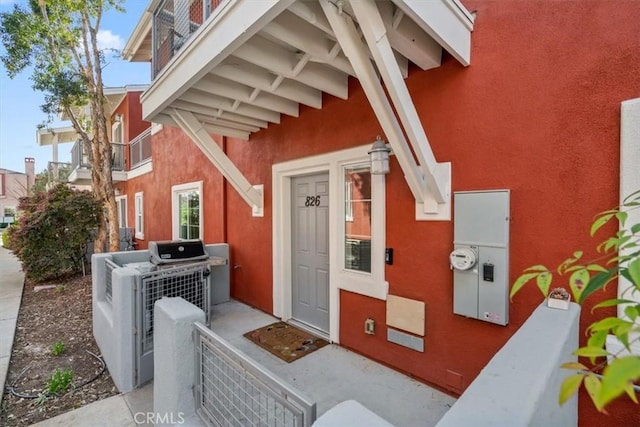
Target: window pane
[
  {"x": 357, "y": 247},
  {"x": 189, "y": 214}
]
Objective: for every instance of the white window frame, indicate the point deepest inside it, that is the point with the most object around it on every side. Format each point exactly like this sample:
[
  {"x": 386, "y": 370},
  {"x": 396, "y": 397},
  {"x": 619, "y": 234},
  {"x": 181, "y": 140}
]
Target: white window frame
[
  {"x": 177, "y": 190},
  {"x": 120, "y": 201},
  {"x": 370, "y": 284},
  {"x": 139, "y": 215}
]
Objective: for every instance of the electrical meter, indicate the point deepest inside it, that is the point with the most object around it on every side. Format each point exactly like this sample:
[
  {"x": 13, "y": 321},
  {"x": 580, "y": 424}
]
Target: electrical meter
[{"x": 463, "y": 258}]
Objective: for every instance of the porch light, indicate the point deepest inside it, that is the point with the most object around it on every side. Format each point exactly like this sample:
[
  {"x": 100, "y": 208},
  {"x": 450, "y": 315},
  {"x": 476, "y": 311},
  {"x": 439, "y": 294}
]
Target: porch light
[{"x": 379, "y": 157}]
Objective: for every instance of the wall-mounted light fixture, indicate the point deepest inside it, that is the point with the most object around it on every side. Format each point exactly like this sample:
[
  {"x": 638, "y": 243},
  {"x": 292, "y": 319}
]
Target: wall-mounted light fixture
[
  {"x": 379, "y": 157},
  {"x": 118, "y": 118}
]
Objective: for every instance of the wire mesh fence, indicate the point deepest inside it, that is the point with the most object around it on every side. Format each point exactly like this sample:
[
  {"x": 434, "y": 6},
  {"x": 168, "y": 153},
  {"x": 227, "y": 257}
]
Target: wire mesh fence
[
  {"x": 191, "y": 282},
  {"x": 233, "y": 390}
]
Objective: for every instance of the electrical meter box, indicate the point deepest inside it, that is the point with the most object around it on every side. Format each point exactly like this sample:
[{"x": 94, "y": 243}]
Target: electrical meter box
[{"x": 480, "y": 256}]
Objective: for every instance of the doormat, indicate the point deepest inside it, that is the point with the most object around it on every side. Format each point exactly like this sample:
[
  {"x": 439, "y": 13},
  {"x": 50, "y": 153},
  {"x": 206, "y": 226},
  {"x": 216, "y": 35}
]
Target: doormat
[{"x": 285, "y": 341}]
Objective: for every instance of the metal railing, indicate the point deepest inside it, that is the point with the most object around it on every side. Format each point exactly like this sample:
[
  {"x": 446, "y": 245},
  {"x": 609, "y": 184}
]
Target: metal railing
[
  {"x": 140, "y": 149},
  {"x": 58, "y": 172},
  {"x": 80, "y": 159},
  {"x": 233, "y": 390},
  {"x": 174, "y": 21}
]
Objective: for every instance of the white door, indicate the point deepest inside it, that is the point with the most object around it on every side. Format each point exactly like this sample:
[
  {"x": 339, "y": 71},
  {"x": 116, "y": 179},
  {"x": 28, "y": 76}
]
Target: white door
[{"x": 310, "y": 246}]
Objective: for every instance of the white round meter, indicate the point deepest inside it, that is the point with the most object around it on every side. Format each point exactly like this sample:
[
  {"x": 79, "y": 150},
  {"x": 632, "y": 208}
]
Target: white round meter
[{"x": 462, "y": 258}]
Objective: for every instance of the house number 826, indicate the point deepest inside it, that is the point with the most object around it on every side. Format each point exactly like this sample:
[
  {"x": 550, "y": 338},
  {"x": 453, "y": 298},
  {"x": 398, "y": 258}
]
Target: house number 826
[{"x": 312, "y": 201}]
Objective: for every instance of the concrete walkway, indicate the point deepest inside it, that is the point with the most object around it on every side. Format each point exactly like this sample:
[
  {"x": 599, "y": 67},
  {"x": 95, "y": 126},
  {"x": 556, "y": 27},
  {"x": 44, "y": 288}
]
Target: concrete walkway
[{"x": 11, "y": 284}]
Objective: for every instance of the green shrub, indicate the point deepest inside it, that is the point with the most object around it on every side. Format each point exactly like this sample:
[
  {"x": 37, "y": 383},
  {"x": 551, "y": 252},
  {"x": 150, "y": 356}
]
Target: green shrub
[
  {"x": 6, "y": 237},
  {"x": 59, "y": 382},
  {"x": 51, "y": 235}
]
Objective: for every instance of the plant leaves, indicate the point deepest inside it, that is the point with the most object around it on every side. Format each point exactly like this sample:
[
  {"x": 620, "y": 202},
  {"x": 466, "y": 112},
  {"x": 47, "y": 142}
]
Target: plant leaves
[
  {"x": 538, "y": 267},
  {"x": 578, "y": 281},
  {"x": 597, "y": 339},
  {"x": 599, "y": 222},
  {"x": 597, "y": 282},
  {"x": 576, "y": 366},
  {"x": 544, "y": 282},
  {"x": 634, "y": 271},
  {"x": 612, "y": 302},
  {"x": 590, "y": 352},
  {"x": 594, "y": 387},
  {"x": 569, "y": 387},
  {"x": 617, "y": 376},
  {"x": 520, "y": 282}
]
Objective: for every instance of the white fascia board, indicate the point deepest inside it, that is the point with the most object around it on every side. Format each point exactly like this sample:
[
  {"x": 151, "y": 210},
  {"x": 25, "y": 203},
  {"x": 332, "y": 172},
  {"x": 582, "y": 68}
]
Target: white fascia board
[
  {"x": 197, "y": 132},
  {"x": 233, "y": 25},
  {"x": 60, "y": 135},
  {"x": 446, "y": 21},
  {"x": 139, "y": 34}
]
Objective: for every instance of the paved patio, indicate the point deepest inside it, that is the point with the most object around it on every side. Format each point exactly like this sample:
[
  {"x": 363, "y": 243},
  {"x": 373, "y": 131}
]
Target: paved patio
[{"x": 328, "y": 376}]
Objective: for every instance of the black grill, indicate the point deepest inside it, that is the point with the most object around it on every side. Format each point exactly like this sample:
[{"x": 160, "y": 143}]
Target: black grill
[{"x": 177, "y": 251}]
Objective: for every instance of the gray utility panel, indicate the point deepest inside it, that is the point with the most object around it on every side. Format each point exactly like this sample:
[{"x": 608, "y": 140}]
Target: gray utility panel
[{"x": 480, "y": 259}]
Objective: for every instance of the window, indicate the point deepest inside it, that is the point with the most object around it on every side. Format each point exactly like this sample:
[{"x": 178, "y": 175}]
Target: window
[
  {"x": 1, "y": 184},
  {"x": 139, "y": 216},
  {"x": 116, "y": 130},
  {"x": 357, "y": 233},
  {"x": 121, "y": 204},
  {"x": 9, "y": 214},
  {"x": 187, "y": 211}
]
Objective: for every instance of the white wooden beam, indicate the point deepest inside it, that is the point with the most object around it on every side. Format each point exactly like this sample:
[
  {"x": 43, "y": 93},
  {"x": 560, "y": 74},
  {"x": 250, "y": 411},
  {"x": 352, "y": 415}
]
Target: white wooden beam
[
  {"x": 313, "y": 14},
  {"x": 226, "y": 123},
  {"x": 408, "y": 39},
  {"x": 226, "y": 131},
  {"x": 374, "y": 32},
  {"x": 248, "y": 74},
  {"x": 349, "y": 38},
  {"x": 197, "y": 132},
  {"x": 446, "y": 21},
  {"x": 293, "y": 31},
  {"x": 197, "y": 97},
  {"x": 217, "y": 113},
  {"x": 229, "y": 89},
  {"x": 279, "y": 60}
]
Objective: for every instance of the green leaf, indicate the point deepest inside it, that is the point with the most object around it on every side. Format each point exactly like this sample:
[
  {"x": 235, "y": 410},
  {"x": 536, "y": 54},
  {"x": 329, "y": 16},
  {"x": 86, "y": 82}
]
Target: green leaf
[
  {"x": 617, "y": 376},
  {"x": 538, "y": 267},
  {"x": 600, "y": 221},
  {"x": 520, "y": 282},
  {"x": 632, "y": 311},
  {"x": 590, "y": 352},
  {"x": 569, "y": 387},
  {"x": 612, "y": 302},
  {"x": 631, "y": 392},
  {"x": 594, "y": 388},
  {"x": 606, "y": 324},
  {"x": 577, "y": 282},
  {"x": 596, "y": 283},
  {"x": 622, "y": 217},
  {"x": 577, "y": 255},
  {"x": 634, "y": 271},
  {"x": 544, "y": 282},
  {"x": 635, "y": 228},
  {"x": 597, "y": 339},
  {"x": 596, "y": 267}
]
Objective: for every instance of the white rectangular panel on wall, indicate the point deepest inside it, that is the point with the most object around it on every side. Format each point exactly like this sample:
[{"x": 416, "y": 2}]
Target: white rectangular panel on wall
[{"x": 480, "y": 260}]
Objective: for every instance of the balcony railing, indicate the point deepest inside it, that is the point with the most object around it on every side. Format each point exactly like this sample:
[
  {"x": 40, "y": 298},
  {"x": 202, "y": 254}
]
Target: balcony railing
[
  {"x": 140, "y": 149},
  {"x": 80, "y": 159},
  {"x": 58, "y": 172},
  {"x": 174, "y": 21}
]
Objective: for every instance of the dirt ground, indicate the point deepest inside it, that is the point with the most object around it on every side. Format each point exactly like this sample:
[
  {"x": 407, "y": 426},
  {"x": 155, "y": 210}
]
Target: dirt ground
[{"x": 61, "y": 313}]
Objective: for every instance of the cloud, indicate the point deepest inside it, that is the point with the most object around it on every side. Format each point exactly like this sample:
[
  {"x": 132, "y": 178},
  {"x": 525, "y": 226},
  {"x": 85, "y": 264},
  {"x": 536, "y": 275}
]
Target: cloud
[{"x": 107, "y": 40}]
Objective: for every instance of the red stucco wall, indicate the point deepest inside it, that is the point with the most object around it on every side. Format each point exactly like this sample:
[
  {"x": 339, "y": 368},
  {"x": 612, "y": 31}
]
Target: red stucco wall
[{"x": 537, "y": 112}]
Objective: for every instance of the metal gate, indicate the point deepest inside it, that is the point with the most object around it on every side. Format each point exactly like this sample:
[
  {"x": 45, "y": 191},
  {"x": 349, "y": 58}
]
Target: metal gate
[{"x": 189, "y": 281}]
